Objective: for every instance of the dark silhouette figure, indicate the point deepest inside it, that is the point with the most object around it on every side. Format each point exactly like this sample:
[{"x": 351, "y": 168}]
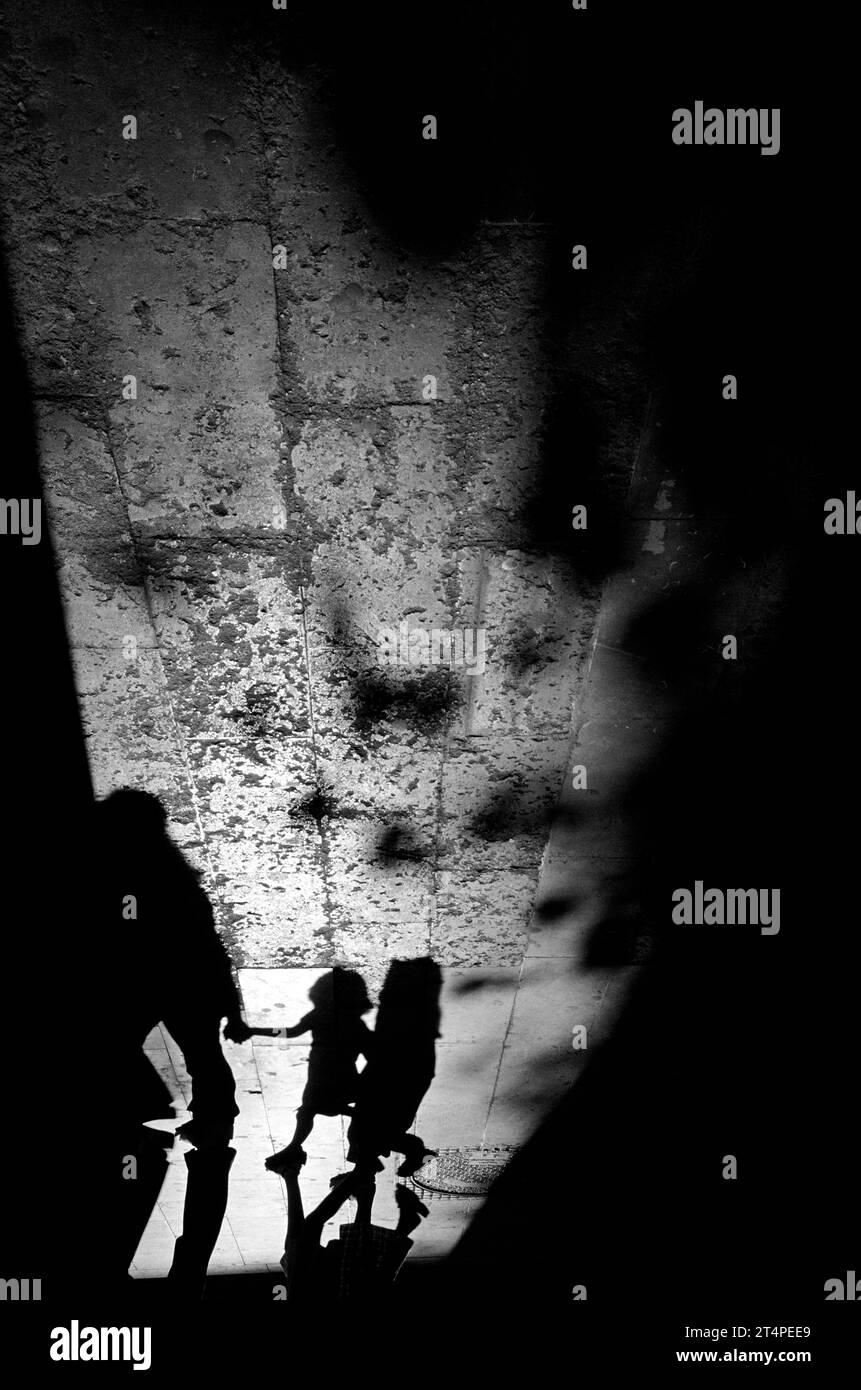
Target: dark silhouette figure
[
  {"x": 47, "y": 792},
  {"x": 338, "y": 1037},
  {"x": 364, "y": 1260},
  {"x": 169, "y": 967},
  {"x": 400, "y": 1068}
]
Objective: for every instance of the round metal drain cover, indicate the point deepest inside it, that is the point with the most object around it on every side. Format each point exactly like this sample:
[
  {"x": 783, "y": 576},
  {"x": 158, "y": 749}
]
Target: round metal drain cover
[{"x": 463, "y": 1172}]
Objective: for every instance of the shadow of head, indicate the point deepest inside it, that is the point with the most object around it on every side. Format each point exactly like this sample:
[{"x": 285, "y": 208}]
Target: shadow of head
[
  {"x": 132, "y": 816},
  {"x": 340, "y": 991},
  {"x": 409, "y": 1000}
]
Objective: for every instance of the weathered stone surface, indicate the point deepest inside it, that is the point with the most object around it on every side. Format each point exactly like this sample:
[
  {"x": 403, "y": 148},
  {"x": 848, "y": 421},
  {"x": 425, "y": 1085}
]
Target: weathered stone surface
[
  {"x": 81, "y": 479},
  {"x": 286, "y": 485},
  {"x": 189, "y": 314},
  {"x": 362, "y": 320},
  {"x": 131, "y": 734},
  {"x": 195, "y": 148}
]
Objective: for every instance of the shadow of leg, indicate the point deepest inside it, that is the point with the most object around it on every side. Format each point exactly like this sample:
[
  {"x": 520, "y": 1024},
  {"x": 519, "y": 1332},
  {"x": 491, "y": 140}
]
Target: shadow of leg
[{"x": 203, "y": 1213}]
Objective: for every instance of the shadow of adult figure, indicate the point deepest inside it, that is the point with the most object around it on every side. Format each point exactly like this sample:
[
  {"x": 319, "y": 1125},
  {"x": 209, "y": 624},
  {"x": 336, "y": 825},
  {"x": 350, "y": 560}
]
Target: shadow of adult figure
[
  {"x": 167, "y": 965},
  {"x": 400, "y": 1069}
]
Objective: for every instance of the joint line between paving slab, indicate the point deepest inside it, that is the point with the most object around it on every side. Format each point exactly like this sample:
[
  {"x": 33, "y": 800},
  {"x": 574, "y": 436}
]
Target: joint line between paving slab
[
  {"x": 180, "y": 739},
  {"x": 645, "y": 431},
  {"x": 169, "y": 1055},
  {"x": 577, "y": 723},
  {"x": 278, "y": 545},
  {"x": 578, "y": 715},
  {"x": 459, "y": 410},
  {"x": 264, "y": 170},
  {"x": 266, "y": 1113},
  {"x": 508, "y": 1027}
]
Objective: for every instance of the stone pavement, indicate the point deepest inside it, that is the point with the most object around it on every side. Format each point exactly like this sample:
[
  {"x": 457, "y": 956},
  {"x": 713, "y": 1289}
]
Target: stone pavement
[
  {"x": 504, "y": 1056},
  {"x": 232, "y": 539},
  {"x": 278, "y": 483}
]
